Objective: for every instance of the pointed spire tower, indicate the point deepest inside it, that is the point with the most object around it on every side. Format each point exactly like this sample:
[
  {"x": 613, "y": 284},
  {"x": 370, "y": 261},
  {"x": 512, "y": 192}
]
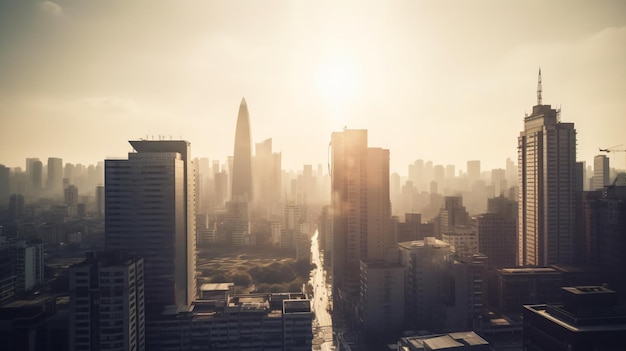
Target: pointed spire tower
[
  {"x": 539, "y": 89},
  {"x": 242, "y": 163}
]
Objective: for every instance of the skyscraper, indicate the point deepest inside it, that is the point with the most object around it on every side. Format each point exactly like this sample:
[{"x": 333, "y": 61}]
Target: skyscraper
[
  {"x": 600, "y": 172},
  {"x": 361, "y": 208},
  {"x": 547, "y": 182},
  {"x": 150, "y": 211},
  {"x": 54, "y": 182},
  {"x": 267, "y": 173},
  {"x": 242, "y": 164}
]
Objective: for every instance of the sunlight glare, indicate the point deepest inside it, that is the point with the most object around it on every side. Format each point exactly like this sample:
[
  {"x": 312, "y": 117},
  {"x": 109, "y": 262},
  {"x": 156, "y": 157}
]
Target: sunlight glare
[{"x": 338, "y": 81}]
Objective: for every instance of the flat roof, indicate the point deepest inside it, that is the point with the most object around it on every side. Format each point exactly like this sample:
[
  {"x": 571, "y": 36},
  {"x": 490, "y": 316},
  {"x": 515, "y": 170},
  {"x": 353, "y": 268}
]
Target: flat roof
[
  {"x": 541, "y": 311},
  {"x": 216, "y": 286},
  {"x": 442, "y": 342},
  {"x": 529, "y": 270}
]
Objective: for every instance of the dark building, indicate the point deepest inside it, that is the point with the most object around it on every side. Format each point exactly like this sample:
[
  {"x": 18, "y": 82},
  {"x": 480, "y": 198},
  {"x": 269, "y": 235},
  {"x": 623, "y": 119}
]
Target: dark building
[
  {"x": 497, "y": 238},
  {"x": 409, "y": 230},
  {"x": 107, "y": 303},
  {"x": 511, "y": 288},
  {"x": 604, "y": 221},
  {"x": 38, "y": 323},
  {"x": 5, "y": 185},
  {"x": 150, "y": 211},
  {"x": 588, "y": 319}
]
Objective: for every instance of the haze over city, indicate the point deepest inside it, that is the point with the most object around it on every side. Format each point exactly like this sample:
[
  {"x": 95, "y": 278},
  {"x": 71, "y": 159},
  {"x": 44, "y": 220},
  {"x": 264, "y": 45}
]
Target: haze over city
[{"x": 446, "y": 81}]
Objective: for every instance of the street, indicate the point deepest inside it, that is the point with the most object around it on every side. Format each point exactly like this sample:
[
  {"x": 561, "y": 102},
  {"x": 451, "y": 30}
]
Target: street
[{"x": 322, "y": 326}]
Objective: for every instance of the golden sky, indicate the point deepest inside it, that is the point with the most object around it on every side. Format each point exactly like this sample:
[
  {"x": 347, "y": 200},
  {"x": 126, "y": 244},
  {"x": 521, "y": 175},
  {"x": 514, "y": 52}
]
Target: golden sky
[{"x": 447, "y": 81}]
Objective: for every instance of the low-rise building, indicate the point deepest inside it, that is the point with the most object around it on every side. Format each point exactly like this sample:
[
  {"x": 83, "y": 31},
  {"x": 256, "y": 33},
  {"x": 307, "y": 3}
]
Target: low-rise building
[
  {"x": 226, "y": 321},
  {"x": 588, "y": 319}
]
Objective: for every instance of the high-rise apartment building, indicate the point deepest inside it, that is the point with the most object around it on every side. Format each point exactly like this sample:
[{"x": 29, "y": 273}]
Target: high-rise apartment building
[
  {"x": 361, "y": 208},
  {"x": 601, "y": 172},
  {"x": 71, "y": 195},
  {"x": 150, "y": 211},
  {"x": 547, "y": 182},
  {"x": 107, "y": 303}
]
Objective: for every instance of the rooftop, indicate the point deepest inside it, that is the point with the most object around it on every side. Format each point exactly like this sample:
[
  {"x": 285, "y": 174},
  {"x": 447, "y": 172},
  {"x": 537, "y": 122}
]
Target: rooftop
[
  {"x": 217, "y": 286},
  {"x": 529, "y": 270}
]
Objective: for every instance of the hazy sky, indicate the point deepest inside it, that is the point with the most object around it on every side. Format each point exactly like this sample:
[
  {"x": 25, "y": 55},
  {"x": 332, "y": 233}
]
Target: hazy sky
[{"x": 447, "y": 81}]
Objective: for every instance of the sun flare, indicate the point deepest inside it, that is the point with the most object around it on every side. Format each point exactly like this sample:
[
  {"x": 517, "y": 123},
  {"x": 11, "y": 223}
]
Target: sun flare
[{"x": 338, "y": 81}]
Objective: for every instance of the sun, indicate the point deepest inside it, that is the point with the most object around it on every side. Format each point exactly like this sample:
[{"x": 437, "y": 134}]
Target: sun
[{"x": 338, "y": 81}]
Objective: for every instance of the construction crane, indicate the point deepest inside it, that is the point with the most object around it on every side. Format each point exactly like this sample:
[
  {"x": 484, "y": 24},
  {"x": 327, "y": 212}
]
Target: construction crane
[
  {"x": 616, "y": 148},
  {"x": 613, "y": 149}
]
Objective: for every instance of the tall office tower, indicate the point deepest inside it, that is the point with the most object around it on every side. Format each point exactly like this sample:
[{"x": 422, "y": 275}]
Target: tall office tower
[
  {"x": 107, "y": 303},
  {"x": 361, "y": 208},
  {"x": 498, "y": 181},
  {"x": 511, "y": 172},
  {"x": 601, "y": 172},
  {"x": 5, "y": 185},
  {"x": 473, "y": 171},
  {"x": 242, "y": 162},
  {"x": 439, "y": 174},
  {"x": 150, "y": 211},
  {"x": 547, "y": 177},
  {"x": 54, "y": 182},
  {"x": 68, "y": 172},
  {"x": 267, "y": 175},
  {"x": 36, "y": 176},
  {"x": 308, "y": 186}
]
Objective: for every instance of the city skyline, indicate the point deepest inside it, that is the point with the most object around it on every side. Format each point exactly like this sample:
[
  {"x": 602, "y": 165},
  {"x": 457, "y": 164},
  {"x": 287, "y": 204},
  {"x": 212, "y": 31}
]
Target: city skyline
[{"x": 428, "y": 83}]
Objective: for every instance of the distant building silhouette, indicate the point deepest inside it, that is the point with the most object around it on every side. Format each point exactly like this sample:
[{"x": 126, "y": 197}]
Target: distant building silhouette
[
  {"x": 54, "y": 182},
  {"x": 150, "y": 211},
  {"x": 5, "y": 185},
  {"x": 547, "y": 181},
  {"x": 242, "y": 163},
  {"x": 267, "y": 178}
]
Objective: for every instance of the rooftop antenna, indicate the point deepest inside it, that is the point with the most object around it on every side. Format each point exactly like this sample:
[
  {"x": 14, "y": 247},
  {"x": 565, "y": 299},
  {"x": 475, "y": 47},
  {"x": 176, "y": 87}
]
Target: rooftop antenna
[{"x": 539, "y": 88}]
